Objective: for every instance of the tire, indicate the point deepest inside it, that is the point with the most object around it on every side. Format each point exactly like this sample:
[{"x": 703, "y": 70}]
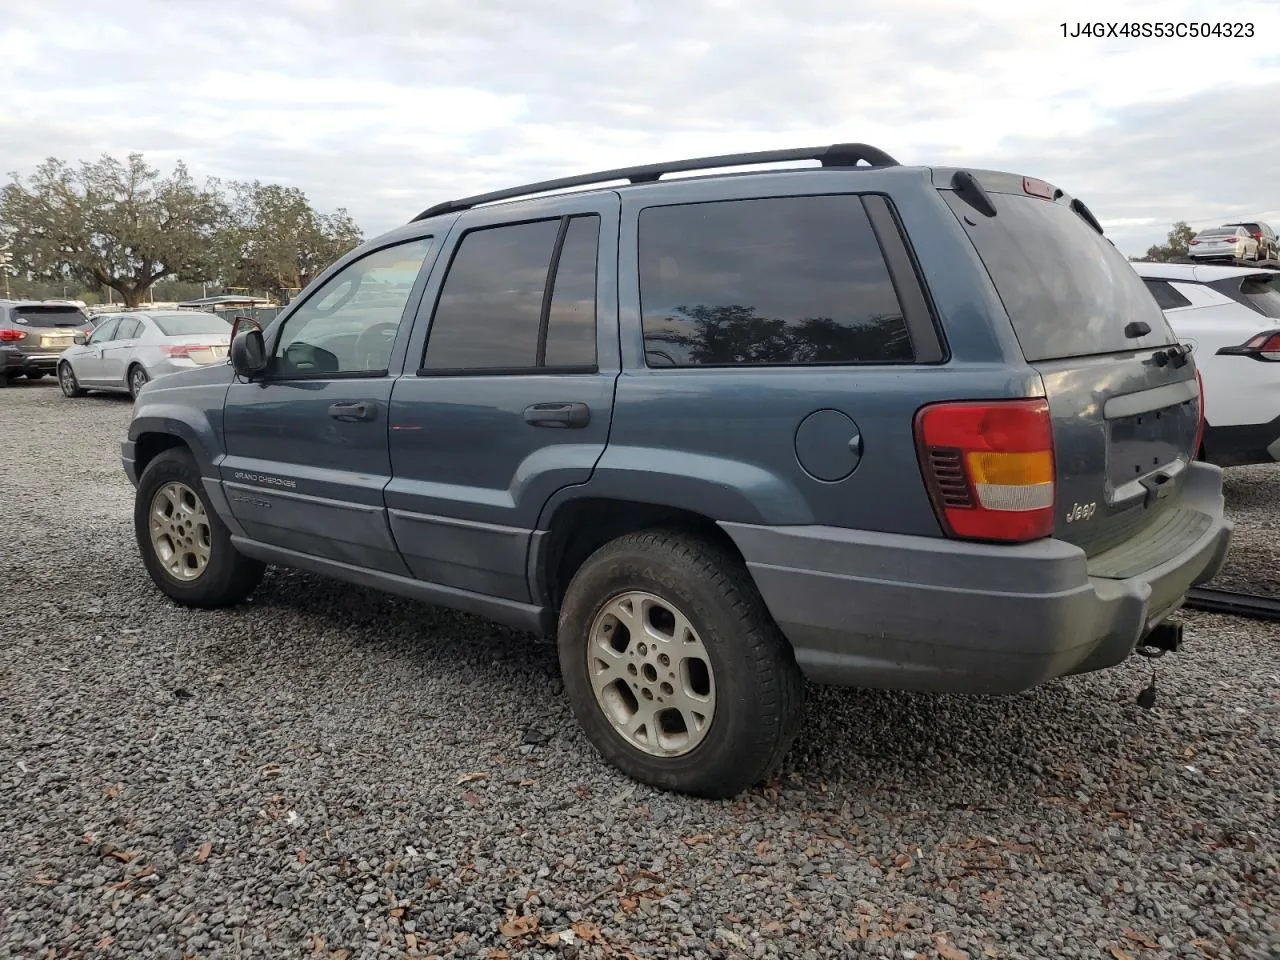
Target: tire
[
  {"x": 755, "y": 687},
  {"x": 227, "y": 577},
  {"x": 67, "y": 381},
  {"x": 138, "y": 378},
  {"x": 35, "y": 374}
]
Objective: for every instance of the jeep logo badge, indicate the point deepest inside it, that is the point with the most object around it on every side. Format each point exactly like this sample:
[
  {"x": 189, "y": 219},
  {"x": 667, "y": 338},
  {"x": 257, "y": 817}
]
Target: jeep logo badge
[{"x": 1081, "y": 511}]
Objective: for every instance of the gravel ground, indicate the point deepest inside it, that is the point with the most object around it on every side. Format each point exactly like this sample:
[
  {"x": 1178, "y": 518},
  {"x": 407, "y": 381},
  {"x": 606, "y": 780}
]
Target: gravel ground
[{"x": 332, "y": 773}]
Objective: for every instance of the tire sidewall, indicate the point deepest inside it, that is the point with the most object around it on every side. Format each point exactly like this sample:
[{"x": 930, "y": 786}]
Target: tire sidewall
[
  {"x": 719, "y": 759},
  {"x": 134, "y": 390}
]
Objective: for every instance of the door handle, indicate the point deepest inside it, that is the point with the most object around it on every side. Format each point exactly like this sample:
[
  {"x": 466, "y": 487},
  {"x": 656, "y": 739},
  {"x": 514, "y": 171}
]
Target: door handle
[
  {"x": 557, "y": 415},
  {"x": 354, "y": 411}
]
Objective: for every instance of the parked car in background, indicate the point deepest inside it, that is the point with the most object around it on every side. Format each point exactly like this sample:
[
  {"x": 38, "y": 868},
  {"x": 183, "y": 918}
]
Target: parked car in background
[
  {"x": 869, "y": 424},
  {"x": 1223, "y": 243},
  {"x": 1268, "y": 242},
  {"x": 33, "y": 333},
  {"x": 1231, "y": 318},
  {"x": 127, "y": 350}
]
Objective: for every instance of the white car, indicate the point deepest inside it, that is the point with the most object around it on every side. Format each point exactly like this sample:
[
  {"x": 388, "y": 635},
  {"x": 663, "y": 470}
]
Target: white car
[
  {"x": 126, "y": 350},
  {"x": 1230, "y": 317}
]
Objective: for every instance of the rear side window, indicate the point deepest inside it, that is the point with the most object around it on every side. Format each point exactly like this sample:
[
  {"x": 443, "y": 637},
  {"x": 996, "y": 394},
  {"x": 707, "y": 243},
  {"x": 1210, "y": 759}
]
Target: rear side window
[
  {"x": 1259, "y": 293},
  {"x": 519, "y": 297},
  {"x": 1068, "y": 291},
  {"x": 49, "y": 317},
  {"x": 777, "y": 281},
  {"x": 1166, "y": 297}
]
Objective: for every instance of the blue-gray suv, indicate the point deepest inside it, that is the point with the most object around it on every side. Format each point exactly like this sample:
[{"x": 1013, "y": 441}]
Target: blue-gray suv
[{"x": 862, "y": 423}]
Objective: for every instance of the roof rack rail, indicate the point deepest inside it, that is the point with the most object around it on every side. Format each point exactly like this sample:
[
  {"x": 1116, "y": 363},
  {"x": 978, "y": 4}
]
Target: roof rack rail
[{"x": 835, "y": 155}]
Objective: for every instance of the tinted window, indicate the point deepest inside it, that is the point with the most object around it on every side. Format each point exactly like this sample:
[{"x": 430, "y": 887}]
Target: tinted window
[
  {"x": 1258, "y": 293},
  {"x": 349, "y": 325},
  {"x": 1167, "y": 297},
  {"x": 1068, "y": 291},
  {"x": 571, "y": 321},
  {"x": 186, "y": 324},
  {"x": 490, "y": 315},
  {"x": 49, "y": 317},
  {"x": 788, "y": 280}
]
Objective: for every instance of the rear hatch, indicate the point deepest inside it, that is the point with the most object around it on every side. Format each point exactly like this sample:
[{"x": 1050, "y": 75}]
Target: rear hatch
[
  {"x": 1123, "y": 395},
  {"x": 49, "y": 328}
]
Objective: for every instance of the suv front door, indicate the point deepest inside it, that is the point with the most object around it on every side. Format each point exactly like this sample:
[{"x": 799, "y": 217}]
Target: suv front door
[
  {"x": 508, "y": 395},
  {"x": 306, "y": 444}
]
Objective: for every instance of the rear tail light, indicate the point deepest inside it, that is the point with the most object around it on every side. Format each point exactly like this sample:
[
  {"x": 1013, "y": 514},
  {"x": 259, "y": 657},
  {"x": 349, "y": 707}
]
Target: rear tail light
[
  {"x": 1194, "y": 242},
  {"x": 12, "y": 336},
  {"x": 177, "y": 353},
  {"x": 990, "y": 468},
  {"x": 1263, "y": 346}
]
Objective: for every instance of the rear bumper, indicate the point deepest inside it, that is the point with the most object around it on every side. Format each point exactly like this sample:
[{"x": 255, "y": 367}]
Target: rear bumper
[
  {"x": 920, "y": 613},
  {"x": 1244, "y": 444},
  {"x": 15, "y": 361}
]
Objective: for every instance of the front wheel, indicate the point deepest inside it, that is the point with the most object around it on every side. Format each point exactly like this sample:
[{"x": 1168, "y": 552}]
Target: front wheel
[
  {"x": 674, "y": 668},
  {"x": 68, "y": 382},
  {"x": 185, "y": 546}
]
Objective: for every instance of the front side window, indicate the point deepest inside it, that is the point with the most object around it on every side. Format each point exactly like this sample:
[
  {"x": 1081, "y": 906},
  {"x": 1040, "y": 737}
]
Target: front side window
[
  {"x": 128, "y": 329},
  {"x": 777, "y": 281},
  {"x": 349, "y": 325},
  {"x": 519, "y": 297}
]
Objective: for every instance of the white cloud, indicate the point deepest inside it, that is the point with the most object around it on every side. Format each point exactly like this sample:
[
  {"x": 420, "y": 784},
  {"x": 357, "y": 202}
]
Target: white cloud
[{"x": 387, "y": 106}]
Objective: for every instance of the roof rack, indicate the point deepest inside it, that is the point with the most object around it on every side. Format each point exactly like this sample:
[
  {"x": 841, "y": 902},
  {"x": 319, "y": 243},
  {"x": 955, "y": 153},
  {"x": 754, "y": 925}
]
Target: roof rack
[{"x": 835, "y": 155}]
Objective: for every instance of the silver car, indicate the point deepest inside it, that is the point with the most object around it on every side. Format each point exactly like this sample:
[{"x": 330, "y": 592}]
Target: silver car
[
  {"x": 126, "y": 350},
  {"x": 1224, "y": 243}
]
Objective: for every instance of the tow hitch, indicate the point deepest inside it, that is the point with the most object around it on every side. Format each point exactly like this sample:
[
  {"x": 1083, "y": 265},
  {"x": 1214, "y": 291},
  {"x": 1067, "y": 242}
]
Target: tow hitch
[{"x": 1165, "y": 637}]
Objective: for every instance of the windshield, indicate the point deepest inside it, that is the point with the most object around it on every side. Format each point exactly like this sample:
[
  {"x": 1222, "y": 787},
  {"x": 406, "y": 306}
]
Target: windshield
[
  {"x": 50, "y": 317},
  {"x": 1068, "y": 291},
  {"x": 1259, "y": 292},
  {"x": 189, "y": 324}
]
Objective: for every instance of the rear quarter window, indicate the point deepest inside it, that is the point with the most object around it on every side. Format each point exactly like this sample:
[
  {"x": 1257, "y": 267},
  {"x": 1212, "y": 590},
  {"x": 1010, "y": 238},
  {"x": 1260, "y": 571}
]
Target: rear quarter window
[
  {"x": 1068, "y": 291},
  {"x": 777, "y": 281}
]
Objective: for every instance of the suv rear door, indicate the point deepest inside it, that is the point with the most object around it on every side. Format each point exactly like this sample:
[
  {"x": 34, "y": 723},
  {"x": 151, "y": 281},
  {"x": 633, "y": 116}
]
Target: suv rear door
[
  {"x": 1123, "y": 395},
  {"x": 508, "y": 390}
]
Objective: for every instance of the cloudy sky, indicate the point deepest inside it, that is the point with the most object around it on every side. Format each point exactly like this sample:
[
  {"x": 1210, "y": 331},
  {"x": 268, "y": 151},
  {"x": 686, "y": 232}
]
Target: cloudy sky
[{"x": 387, "y": 106}]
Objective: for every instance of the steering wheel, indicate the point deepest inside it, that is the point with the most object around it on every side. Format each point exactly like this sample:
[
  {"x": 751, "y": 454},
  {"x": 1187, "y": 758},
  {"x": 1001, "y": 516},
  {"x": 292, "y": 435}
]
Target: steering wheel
[{"x": 373, "y": 346}]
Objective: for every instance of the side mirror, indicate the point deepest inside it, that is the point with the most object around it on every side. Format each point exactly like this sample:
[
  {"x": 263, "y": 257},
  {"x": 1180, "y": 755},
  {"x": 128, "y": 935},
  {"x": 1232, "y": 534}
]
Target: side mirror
[
  {"x": 80, "y": 339},
  {"x": 249, "y": 353}
]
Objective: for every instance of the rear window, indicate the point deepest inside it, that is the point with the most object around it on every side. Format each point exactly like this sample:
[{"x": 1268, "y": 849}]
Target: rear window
[
  {"x": 50, "y": 317},
  {"x": 1068, "y": 291},
  {"x": 1260, "y": 293},
  {"x": 1217, "y": 232},
  {"x": 189, "y": 324}
]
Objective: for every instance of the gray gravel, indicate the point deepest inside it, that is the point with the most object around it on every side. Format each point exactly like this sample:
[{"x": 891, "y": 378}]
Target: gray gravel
[{"x": 333, "y": 773}]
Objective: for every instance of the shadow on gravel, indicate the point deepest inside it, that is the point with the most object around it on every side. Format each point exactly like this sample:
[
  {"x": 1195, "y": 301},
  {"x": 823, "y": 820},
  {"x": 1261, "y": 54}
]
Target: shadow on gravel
[{"x": 896, "y": 749}]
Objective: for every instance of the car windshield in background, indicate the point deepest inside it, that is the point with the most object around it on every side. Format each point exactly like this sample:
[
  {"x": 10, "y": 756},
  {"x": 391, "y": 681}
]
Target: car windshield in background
[
  {"x": 1068, "y": 291},
  {"x": 1260, "y": 293},
  {"x": 191, "y": 324},
  {"x": 49, "y": 317}
]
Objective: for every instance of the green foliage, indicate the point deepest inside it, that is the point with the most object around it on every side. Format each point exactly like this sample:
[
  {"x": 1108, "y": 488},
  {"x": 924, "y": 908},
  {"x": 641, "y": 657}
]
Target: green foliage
[
  {"x": 1175, "y": 248},
  {"x": 126, "y": 226}
]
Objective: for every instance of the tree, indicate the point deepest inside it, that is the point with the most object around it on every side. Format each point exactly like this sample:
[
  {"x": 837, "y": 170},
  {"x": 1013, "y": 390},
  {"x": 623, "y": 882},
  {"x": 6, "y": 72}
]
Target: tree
[
  {"x": 277, "y": 240},
  {"x": 1176, "y": 247},
  {"x": 111, "y": 224}
]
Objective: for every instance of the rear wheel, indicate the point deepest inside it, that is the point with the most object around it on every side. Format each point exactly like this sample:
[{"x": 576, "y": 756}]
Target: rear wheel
[
  {"x": 674, "y": 668},
  {"x": 185, "y": 546},
  {"x": 68, "y": 382},
  {"x": 137, "y": 380}
]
